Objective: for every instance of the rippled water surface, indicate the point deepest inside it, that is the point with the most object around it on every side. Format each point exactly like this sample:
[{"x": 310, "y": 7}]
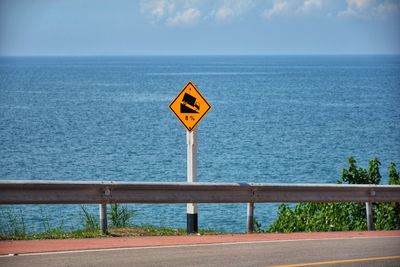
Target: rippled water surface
[{"x": 282, "y": 119}]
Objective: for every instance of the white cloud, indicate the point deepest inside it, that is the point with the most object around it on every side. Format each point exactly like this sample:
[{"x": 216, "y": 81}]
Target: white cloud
[
  {"x": 279, "y": 7},
  {"x": 355, "y": 7},
  {"x": 358, "y": 4},
  {"x": 187, "y": 17},
  {"x": 370, "y": 8},
  {"x": 156, "y": 9},
  {"x": 190, "y": 12},
  {"x": 388, "y": 8},
  {"x": 292, "y": 7},
  {"x": 170, "y": 12},
  {"x": 232, "y": 8},
  {"x": 310, "y": 5}
]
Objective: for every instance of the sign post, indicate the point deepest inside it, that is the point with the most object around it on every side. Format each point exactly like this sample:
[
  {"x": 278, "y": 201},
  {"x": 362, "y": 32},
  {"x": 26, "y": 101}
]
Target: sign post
[
  {"x": 190, "y": 106},
  {"x": 192, "y": 218}
]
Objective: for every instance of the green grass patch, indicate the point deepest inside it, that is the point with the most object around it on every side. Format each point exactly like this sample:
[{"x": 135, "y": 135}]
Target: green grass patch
[
  {"x": 54, "y": 234},
  {"x": 119, "y": 222},
  {"x": 150, "y": 230},
  {"x": 146, "y": 230}
]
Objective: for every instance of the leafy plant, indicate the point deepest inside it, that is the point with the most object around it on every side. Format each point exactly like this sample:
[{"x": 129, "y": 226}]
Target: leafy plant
[
  {"x": 356, "y": 175},
  {"x": 90, "y": 221},
  {"x": 12, "y": 224},
  {"x": 388, "y": 214},
  {"x": 394, "y": 176},
  {"x": 257, "y": 227},
  {"x": 120, "y": 216},
  {"x": 307, "y": 217}
]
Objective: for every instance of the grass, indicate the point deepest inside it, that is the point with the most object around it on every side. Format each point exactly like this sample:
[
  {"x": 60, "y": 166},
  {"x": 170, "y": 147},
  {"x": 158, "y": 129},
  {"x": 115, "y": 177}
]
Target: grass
[
  {"x": 145, "y": 230},
  {"x": 150, "y": 230},
  {"x": 120, "y": 217},
  {"x": 54, "y": 234}
]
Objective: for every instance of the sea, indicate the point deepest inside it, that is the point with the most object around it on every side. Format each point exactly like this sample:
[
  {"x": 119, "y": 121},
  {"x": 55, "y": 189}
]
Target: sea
[{"x": 274, "y": 119}]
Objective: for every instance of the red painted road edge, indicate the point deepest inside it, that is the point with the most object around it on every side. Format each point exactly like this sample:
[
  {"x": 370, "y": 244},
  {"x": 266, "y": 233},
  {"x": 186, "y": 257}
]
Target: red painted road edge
[{"x": 40, "y": 246}]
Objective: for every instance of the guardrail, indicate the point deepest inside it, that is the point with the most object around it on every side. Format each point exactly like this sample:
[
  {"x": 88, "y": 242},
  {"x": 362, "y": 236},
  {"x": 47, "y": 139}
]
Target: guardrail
[{"x": 72, "y": 192}]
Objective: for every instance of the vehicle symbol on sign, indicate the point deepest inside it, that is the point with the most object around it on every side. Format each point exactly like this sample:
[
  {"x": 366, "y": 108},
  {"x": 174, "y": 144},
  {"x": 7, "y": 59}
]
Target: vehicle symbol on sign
[{"x": 189, "y": 104}]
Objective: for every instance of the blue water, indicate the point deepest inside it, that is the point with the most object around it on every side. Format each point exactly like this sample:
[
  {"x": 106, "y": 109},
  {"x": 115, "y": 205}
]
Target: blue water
[{"x": 286, "y": 119}]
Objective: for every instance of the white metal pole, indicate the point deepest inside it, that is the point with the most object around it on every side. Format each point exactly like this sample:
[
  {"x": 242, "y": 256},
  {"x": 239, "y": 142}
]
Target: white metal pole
[{"x": 192, "y": 217}]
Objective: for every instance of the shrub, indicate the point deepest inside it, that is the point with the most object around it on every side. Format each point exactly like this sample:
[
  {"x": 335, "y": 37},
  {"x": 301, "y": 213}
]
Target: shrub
[{"x": 307, "y": 217}]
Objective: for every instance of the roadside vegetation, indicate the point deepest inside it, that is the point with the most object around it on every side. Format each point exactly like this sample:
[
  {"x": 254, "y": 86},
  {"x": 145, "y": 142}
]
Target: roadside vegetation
[
  {"x": 304, "y": 217},
  {"x": 314, "y": 217},
  {"x": 120, "y": 219}
]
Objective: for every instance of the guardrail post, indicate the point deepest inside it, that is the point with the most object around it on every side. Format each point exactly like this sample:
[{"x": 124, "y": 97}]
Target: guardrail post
[
  {"x": 370, "y": 216},
  {"x": 103, "y": 218},
  {"x": 250, "y": 217}
]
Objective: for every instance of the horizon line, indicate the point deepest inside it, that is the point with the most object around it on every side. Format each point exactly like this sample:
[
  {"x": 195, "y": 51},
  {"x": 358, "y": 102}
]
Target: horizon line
[{"x": 197, "y": 55}]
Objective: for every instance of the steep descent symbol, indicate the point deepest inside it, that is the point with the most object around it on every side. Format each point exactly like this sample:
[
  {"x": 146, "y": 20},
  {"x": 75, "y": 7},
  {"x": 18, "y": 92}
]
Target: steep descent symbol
[{"x": 189, "y": 104}]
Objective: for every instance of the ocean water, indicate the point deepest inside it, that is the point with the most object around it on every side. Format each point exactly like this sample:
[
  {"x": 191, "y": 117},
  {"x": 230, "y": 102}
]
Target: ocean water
[{"x": 274, "y": 119}]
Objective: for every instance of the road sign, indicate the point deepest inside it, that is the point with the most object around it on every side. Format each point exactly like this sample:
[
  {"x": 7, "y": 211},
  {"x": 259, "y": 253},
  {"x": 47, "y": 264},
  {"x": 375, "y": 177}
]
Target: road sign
[{"x": 190, "y": 106}]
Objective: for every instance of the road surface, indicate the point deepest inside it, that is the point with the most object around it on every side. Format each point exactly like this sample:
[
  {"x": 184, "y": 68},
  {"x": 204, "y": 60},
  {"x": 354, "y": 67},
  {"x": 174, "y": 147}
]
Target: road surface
[{"x": 354, "y": 251}]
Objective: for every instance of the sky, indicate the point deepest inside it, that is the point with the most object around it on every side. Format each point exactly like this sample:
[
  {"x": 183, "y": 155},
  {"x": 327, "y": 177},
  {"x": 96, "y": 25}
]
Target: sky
[{"x": 198, "y": 27}]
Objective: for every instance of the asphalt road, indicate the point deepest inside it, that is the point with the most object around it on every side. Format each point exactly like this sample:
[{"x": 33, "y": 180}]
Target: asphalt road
[{"x": 371, "y": 251}]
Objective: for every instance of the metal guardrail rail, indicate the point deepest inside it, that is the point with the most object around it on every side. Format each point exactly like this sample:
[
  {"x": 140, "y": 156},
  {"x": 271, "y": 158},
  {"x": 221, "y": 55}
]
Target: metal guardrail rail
[
  {"x": 72, "y": 192},
  {"x": 103, "y": 193}
]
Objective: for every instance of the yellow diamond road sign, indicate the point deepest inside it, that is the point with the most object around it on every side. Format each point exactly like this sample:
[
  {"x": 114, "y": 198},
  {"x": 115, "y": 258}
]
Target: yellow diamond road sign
[{"x": 190, "y": 106}]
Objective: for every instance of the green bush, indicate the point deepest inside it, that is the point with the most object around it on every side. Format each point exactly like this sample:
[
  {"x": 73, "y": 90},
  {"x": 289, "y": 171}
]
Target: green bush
[
  {"x": 307, "y": 217},
  {"x": 388, "y": 214}
]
